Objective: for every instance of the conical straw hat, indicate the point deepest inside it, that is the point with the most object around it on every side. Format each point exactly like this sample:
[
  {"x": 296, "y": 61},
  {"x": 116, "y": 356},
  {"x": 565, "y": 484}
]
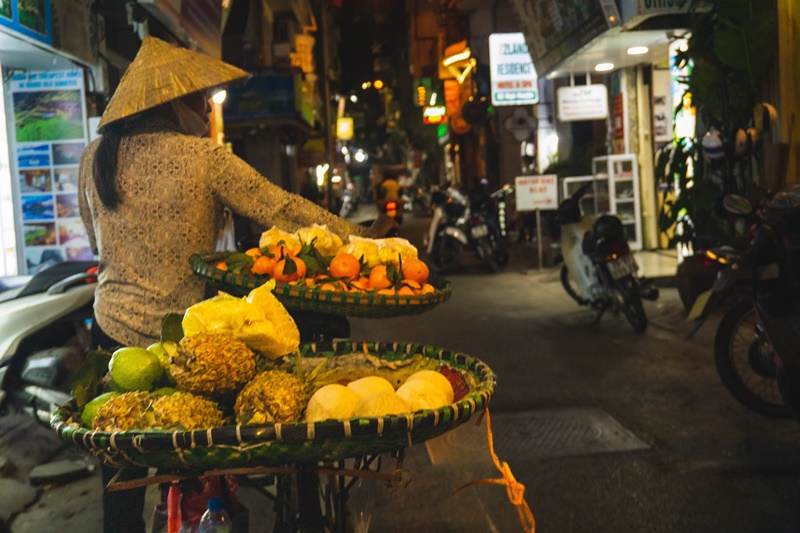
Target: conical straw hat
[{"x": 161, "y": 72}]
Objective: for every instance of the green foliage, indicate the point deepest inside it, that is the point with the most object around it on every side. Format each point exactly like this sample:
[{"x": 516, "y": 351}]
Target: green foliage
[
  {"x": 87, "y": 383},
  {"x": 730, "y": 49}
]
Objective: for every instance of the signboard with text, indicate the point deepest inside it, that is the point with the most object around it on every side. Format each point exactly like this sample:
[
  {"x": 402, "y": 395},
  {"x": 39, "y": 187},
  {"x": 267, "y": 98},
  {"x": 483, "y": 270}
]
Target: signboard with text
[
  {"x": 536, "y": 192},
  {"x": 49, "y": 133},
  {"x": 514, "y": 80},
  {"x": 582, "y": 102}
]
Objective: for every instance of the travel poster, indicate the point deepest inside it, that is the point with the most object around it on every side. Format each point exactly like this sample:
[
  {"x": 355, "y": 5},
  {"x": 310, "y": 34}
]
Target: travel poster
[{"x": 50, "y": 135}]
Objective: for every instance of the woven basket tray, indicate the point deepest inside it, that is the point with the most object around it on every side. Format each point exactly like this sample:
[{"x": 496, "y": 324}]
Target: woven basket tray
[
  {"x": 355, "y": 304},
  {"x": 281, "y": 444}
]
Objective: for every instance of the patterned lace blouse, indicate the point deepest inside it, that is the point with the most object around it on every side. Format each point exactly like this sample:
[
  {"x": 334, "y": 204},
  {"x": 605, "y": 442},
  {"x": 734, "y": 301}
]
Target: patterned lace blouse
[{"x": 172, "y": 191}]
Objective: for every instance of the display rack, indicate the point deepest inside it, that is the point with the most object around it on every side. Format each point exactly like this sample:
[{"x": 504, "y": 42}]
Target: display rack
[{"x": 618, "y": 175}]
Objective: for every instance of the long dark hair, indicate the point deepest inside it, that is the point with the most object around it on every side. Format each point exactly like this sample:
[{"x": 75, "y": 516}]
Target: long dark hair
[{"x": 105, "y": 166}]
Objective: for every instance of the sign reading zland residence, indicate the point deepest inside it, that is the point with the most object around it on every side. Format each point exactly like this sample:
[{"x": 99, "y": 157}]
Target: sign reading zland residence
[{"x": 514, "y": 80}]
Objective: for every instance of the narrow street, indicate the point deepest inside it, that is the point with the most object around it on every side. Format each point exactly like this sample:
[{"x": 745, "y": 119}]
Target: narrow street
[{"x": 608, "y": 430}]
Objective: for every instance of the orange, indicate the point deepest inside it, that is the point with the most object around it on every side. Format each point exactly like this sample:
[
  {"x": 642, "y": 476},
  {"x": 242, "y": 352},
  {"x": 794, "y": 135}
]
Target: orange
[
  {"x": 328, "y": 287},
  {"x": 415, "y": 270},
  {"x": 378, "y": 278},
  {"x": 427, "y": 288},
  {"x": 345, "y": 266},
  {"x": 361, "y": 284},
  {"x": 405, "y": 291},
  {"x": 280, "y": 275},
  {"x": 264, "y": 265},
  {"x": 280, "y": 251},
  {"x": 255, "y": 253},
  {"x": 222, "y": 265},
  {"x": 411, "y": 284},
  {"x": 390, "y": 292}
]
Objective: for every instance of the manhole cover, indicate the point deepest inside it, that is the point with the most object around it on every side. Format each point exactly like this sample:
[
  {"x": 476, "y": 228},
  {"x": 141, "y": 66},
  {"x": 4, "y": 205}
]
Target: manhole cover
[{"x": 538, "y": 434}]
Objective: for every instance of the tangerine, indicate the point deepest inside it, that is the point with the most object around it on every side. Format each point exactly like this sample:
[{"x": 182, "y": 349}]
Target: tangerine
[
  {"x": 378, "y": 278},
  {"x": 255, "y": 253},
  {"x": 280, "y": 251},
  {"x": 222, "y": 265},
  {"x": 289, "y": 269},
  {"x": 411, "y": 284},
  {"x": 415, "y": 270},
  {"x": 264, "y": 265},
  {"x": 427, "y": 289},
  {"x": 345, "y": 266},
  {"x": 361, "y": 284},
  {"x": 405, "y": 291}
]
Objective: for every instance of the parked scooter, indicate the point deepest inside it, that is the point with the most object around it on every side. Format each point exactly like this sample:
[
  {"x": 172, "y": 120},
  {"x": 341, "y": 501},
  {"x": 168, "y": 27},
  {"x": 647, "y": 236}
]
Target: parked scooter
[
  {"x": 45, "y": 336},
  {"x": 455, "y": 228},
  {"x": 349, "y": 200},
  {"x": 599, "y": 270},
  {"x": 757, "y": 343}
]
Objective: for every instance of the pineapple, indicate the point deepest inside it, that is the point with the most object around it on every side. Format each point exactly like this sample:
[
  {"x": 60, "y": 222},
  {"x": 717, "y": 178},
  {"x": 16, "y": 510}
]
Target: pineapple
[
  {"x": 273, "y": 396},
  {"x": 184, "y": 410},
  {"x": 212, "y": 364},
  {"x": 126, "y": 411}
]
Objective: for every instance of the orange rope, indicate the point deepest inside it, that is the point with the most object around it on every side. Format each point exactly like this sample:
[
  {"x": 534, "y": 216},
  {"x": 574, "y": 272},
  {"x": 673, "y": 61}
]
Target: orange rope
[{"x": 514, "y": 489}]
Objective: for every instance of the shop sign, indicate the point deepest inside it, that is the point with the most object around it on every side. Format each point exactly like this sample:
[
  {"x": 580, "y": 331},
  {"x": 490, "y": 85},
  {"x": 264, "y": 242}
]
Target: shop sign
[
  {"x": 514, "y": 80},
  {"x": 32, "y": 19},
  {"x": 266, "y": 94},
  {"x": 452, "y": 97},
  {"x": 649, "y": 7},
  {"x": 344, "y": 128},
  {"x": 434, "y": 114},
  {"x": 582, "y": 102},
  {"x": 197, "y": 21},
  {"x": 556, "y": 29},
  {"x": 536, "y": 192},
  {"x": 49, "y": 135}
]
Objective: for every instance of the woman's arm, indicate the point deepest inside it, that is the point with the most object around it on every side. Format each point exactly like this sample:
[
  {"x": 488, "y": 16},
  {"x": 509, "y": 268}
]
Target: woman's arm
[{"x": 251, "y": 195}]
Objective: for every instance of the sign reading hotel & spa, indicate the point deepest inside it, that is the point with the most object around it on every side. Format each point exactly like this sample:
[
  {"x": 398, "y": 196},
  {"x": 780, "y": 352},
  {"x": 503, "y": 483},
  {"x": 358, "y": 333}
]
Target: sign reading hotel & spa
[
  {"x": 582, "y": 102},
  {"x": 514, "y": 80}
]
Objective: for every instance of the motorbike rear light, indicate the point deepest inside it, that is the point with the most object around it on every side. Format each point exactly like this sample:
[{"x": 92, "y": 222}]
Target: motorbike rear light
[
  {"x": 391, "y": 206},
  {"x": 476, "y": 220},
  {"x": 613, "y": 250}
]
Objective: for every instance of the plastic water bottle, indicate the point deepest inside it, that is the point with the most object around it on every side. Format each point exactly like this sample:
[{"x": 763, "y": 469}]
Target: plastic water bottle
[{"x": 215, "y": 519}]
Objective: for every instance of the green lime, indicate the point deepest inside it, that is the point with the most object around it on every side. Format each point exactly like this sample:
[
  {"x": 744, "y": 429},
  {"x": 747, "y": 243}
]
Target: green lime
[
  {"x": 91, "y": 408},
  {"x": 164, "y": 350},
  {"x": 165, "y": 391},
  {"x": 134, "y": 368}
]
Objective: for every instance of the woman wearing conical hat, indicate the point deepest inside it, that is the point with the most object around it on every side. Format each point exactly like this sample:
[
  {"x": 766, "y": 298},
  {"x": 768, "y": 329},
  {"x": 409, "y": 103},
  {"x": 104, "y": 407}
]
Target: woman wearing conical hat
[{"x": 152, "y": 193}]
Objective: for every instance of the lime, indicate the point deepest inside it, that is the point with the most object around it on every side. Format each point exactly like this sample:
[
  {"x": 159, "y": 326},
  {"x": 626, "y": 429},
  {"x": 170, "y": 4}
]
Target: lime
[
  {"x": 134, "y": 368},
  {"x": 165, "y": 391},
  {"x": 164, "y": 350},
  {"x": 91, "y": 408}
]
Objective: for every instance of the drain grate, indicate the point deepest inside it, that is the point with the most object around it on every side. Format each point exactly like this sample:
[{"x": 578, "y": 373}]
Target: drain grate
[{"x": 538, "y": 434}]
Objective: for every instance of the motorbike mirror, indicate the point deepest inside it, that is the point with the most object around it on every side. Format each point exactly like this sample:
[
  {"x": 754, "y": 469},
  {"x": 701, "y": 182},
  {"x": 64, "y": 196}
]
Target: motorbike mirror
[{"x": 736, "y": 205}]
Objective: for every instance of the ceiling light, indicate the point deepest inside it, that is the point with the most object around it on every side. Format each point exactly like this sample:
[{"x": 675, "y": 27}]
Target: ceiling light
[
  {"x": 637, "y": 50},
  {"x": 604, "y": 67}
]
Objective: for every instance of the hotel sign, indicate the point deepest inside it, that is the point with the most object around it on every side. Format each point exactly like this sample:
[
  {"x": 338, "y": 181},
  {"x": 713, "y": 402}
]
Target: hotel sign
[{"x": 514, "y": 80}]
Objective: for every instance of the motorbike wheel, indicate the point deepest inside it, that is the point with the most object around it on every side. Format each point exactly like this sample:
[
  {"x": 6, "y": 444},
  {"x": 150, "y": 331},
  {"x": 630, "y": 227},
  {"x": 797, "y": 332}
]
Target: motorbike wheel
[
  {"x": 567, "y": 284},
  {"x": 745, "y": 365},
  {"x": 486, "y": 253},
  {"x": 632, "y": 303},
  {"x": 446, "y": 254}
]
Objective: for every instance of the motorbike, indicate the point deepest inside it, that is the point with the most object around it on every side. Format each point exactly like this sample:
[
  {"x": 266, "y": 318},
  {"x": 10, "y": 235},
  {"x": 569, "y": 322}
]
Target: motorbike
[
  {"x": 417, "y": 201},
  {"x": 455, "y": 228},
  {"x": 45, "y": 336},
  {"x": 599, "y": 270},
  {"x": 349, "y": 201},
  {"x": 757, "y": 342}
]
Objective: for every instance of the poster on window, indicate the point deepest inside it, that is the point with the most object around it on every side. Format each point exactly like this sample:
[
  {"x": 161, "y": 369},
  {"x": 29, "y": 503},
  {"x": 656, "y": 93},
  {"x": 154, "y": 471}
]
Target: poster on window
[{"x": 50, "y": 134}]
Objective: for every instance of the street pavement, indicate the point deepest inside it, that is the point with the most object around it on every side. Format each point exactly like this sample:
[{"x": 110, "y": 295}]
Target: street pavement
[{"x": 607, "y": 429}]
